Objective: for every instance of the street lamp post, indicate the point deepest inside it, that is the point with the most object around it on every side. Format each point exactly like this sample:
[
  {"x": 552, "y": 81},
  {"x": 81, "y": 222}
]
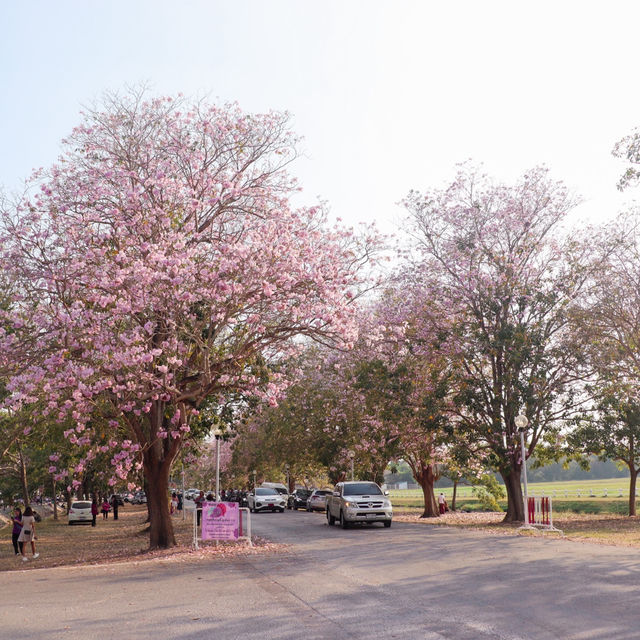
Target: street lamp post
[
  {"x": 286, "y": 468},
  {"x": 217, "y": 434},
  {"x": 522, "y": 422},
  {"x": 254, "y": 473},
  {"x": 352, "y": 455},
  {"x": 183, "y": 507}
]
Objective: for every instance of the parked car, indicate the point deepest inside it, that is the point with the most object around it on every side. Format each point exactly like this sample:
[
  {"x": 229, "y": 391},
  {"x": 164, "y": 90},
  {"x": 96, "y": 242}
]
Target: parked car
[
  {"x": 317, "y": 501},
  {"x": 278, "y": 486},
  {"x": 266, "y": 499},
  {"x": 139, "y": 498},
  {"x": 80, "y": 511},
  {"x": 359, "y": 502},
  {"x": 298, "y": 499}
]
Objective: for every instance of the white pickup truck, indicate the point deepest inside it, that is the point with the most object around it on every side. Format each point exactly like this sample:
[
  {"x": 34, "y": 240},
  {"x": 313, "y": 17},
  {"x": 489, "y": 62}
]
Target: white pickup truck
[{"x": 358, "y": 502}]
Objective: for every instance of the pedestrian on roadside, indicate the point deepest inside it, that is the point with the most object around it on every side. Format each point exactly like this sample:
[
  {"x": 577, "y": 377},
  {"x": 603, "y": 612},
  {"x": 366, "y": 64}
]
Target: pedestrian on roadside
[
  {"x": 180, "y": 502},
  {"x": 174, "y": 502},
  {"x": 114, "y": 504},
  {"x": 199, "y": 500},
  {"x": 28, "y": 533},
  {"x": 94, "y": 510},
  {"x": 106, "y": 507},
  {"x": 16, "y": 519},
  {"x": 442, "y": 503}
]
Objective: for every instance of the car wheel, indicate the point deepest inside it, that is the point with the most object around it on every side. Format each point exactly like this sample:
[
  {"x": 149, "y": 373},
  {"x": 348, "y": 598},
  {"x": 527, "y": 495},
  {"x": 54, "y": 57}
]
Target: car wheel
[
  {"x": 387, "y": 523},
  {"x": 330, "y": 519},
  {"x": 343, "y": 523},
  {"x": 70, "y": 523},
  {"x": 282, "y": 510}
]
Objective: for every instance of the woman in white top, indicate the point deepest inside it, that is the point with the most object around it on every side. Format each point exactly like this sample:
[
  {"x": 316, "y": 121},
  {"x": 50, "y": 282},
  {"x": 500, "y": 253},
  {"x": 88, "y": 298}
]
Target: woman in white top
[{"x": 28, "y": 533}]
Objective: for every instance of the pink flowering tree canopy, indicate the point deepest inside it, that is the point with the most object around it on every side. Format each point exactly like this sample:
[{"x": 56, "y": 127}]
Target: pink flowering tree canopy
[
  {"x": 496, "y": 258},
  {"x": 159, "y": 263}
]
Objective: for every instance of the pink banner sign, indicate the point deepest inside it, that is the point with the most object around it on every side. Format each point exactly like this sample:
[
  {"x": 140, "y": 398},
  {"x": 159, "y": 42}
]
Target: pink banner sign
[{"x": 220, "y": 521}]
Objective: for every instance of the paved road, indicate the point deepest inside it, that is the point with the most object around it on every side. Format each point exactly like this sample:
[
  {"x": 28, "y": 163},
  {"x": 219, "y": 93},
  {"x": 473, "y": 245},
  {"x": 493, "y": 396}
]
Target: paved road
[{"x": 410, "y": 581}]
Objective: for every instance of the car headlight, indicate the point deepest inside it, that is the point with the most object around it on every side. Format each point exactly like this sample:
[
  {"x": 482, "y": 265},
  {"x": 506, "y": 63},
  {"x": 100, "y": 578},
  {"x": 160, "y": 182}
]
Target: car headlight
[{"x": 350, "y": 503}]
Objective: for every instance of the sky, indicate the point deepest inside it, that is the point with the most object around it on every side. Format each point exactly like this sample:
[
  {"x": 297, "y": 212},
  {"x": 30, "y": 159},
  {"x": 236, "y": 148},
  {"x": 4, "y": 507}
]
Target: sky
[{"x": 388, "y": 95}]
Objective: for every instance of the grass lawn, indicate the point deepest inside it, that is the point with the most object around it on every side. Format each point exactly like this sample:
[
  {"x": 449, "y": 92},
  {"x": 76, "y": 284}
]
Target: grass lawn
[
  {"x": 613, "y": 487},
  {"x": 110, "y": 540}
]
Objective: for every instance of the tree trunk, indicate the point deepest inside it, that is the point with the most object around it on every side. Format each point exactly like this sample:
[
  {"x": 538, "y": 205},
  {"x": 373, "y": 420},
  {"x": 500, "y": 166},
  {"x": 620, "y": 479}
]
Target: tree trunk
[
  {"x": 23, "y": 477},
  {"x": 156, "y": 472},
  {"x": 55, "y": 501},
  {"x": 515, "y": 501},
  {"x": 453, "y": 498},
  {"x": 426, "y": 479},
  {"x": 145, "y": 488},
  {"x": 632, "y": 490}
]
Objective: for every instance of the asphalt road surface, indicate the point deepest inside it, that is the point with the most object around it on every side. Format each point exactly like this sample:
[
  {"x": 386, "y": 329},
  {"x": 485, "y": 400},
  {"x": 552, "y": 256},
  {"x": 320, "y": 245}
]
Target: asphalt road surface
[{"x": 410, "y": 581}]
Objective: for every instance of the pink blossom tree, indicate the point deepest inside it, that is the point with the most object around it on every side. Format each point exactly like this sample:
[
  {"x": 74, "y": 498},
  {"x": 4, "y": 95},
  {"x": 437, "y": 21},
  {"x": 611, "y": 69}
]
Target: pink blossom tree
[
  {"x": 496, "y": 258},
  {"x": 158, "y": 264}
]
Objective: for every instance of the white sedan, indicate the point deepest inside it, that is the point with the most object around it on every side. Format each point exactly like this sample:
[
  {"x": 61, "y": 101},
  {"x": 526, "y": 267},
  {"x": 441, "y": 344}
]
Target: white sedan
[
  {"x": 317, "y": 501},
  {"x": 266, "y": 499}
]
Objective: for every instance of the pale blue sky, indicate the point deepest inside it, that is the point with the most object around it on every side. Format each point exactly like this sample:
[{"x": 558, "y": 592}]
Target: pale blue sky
[{"x": 388, "y": 95}]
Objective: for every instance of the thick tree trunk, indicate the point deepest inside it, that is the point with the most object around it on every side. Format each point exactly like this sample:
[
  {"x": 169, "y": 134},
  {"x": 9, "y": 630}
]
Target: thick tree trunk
[
  {"x": 23, "y": 477},
  {"x": 156, "y": 472},
  {"x": 515, "y": 501},
  {"x": 426, "y": 480},
  {"x": 632, "y": 490},
  {"x": 145, "y": 488},
  {"x": 455, "y": 493}
]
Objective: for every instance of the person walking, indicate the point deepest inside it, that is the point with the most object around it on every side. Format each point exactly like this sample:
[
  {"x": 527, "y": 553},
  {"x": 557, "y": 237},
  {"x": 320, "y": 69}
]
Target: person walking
[
  {"x": 28, "y": 533},
  {"x": 114, "y": 504},
  {"x": 199, "y": 500},
  {"x": 106, "y": 507},
  {"x": 16, "y": 519},
  {"x": 94, "y": 511},
  {"x": 442, "y": 503},
  {"x": 174, "y": 502}
]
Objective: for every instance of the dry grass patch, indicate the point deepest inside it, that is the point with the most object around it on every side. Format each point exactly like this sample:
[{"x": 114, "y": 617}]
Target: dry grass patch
[
  {"x": 125, "y": 539},
  {"x": 604, "y": 529}
]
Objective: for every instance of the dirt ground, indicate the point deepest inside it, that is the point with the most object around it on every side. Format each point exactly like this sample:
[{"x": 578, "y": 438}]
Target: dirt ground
[
  {"x": 125, "y": 539},
  {"x": 604, "y": 529}
]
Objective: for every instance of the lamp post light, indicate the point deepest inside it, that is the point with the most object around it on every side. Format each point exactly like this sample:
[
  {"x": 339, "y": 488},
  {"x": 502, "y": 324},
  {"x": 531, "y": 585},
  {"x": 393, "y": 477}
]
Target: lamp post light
[
  {"x": 217, "y": 434},
  {"x": 352, "y": 455},
  {"x": 183, "y": 508},
  {"x": 521, "y": 422}
]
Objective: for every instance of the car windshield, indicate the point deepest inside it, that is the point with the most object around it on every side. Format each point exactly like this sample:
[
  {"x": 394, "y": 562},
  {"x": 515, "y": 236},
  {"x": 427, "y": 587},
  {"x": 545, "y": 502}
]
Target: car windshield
[
  {"x": 266, "y": 492},
  {"x": 362, "y": 489},
  {"x": 81, "y": 505}
]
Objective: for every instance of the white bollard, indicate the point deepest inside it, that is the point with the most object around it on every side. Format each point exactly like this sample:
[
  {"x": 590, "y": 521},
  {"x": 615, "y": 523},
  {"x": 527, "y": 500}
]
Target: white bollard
[
  {"x": 605, "y": 493},
  {"x": 619, "y": 493}
]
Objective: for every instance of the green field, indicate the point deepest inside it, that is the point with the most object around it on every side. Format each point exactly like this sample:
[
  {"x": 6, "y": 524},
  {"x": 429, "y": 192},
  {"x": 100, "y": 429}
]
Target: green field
[
  {"x": 591, "y": 496},
  {"x": 614, "y": 487}
]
